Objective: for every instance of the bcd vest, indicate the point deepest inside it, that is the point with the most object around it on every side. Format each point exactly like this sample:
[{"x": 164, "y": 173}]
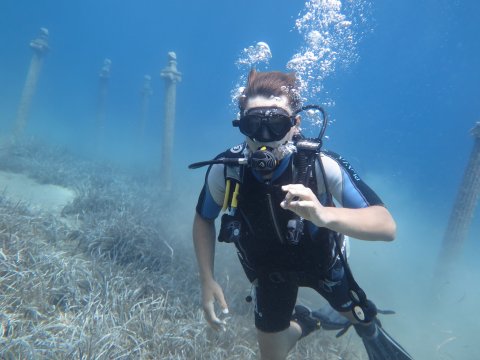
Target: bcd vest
[{"x": 261, "y": 243}]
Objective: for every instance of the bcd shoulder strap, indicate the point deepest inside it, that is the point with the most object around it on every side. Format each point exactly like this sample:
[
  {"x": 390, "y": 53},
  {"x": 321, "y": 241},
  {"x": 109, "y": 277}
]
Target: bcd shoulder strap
[{"x": 233, "y": 177}]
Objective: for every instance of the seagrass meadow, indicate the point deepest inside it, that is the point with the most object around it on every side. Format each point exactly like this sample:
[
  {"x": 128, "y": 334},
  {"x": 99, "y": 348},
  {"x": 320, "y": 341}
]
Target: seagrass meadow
[{"x": 111, "y": 274}]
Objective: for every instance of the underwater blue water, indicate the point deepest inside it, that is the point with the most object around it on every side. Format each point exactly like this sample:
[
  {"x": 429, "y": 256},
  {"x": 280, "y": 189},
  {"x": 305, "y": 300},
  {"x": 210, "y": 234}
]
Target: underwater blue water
[
  {"x": 414, "y": 89},
  {"x": 401, "y": 113}
]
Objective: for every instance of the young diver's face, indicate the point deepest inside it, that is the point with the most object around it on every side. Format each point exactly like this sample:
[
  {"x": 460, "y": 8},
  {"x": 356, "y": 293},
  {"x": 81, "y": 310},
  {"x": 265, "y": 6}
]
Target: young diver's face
[{"x": 263, "y": 102}]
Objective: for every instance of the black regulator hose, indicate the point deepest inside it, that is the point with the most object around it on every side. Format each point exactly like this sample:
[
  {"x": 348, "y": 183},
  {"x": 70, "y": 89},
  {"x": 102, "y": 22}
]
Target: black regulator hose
[
  {"x": 222, "y": 160},
  {"x": 324, "y": 118}
]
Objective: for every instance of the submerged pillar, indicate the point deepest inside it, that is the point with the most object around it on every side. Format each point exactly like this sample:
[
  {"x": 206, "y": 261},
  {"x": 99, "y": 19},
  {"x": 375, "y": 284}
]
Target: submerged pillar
[
  {"x": 145, "y": 106},
  {"x": 40, "y": 48},
  {"x": 462, "y": 212},
  {"x": 171, "y": 76},
  {"x": 104, "y": 78}
]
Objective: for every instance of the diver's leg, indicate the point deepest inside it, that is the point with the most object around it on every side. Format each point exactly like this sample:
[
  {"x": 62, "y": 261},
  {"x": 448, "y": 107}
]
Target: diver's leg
[
  {"x": 276, "y": 346},
  {"x": 275, "y": 298},
  {"x": 335, "y": 288}
]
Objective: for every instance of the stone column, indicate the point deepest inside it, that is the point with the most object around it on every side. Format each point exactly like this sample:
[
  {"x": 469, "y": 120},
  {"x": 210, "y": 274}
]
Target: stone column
[
  {"x": 40, "y": 48},
  {"x": 144, "y": 110},
  {"x": 171, "y": 77},
  {"x": 104, "y": 78},
  {"x": 462, "y": 212}
]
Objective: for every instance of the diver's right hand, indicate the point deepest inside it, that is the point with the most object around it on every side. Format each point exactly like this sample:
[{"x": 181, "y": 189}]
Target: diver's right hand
[{"x": 212, "y": 291}]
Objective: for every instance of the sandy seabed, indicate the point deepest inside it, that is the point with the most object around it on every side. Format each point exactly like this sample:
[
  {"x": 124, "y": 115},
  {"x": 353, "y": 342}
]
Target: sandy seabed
[{"x": 44, "y": 197}]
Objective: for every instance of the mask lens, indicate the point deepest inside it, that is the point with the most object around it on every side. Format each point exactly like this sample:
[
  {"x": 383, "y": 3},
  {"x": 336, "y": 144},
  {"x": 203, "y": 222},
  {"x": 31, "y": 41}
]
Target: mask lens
[
  {"x": 279, "y": 124},
  {"x": 266, "y": 124},
  {"x": 250, "y": 124}
]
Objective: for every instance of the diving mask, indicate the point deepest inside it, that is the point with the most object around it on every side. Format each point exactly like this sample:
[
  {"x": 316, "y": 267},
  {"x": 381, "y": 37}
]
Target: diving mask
[{"x": 265, "y": 124}]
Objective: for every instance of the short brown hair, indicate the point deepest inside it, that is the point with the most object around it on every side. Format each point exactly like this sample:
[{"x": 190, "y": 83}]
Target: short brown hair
[{"x": 273, "y": 83}]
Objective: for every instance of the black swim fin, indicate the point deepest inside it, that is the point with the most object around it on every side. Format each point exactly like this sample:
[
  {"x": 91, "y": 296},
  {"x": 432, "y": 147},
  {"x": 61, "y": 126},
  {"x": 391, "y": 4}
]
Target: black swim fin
[
  {"x": 330, "y": 319},
  {"x": 379, "y": 344}
]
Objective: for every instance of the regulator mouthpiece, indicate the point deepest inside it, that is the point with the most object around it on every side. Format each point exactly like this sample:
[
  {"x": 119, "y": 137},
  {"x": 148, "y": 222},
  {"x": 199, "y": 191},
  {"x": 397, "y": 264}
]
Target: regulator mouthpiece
[{"x": 263, "y": 160}]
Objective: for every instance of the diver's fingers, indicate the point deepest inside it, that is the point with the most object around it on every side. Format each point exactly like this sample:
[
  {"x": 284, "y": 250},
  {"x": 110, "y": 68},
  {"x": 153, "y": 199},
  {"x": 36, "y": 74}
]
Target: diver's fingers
[
  {"x": 221, "y": 300},
  {"x": 297, "y": 191},
  {"x": 298, "y": 205},
  {"x": 218, "y": 325},
  {"x": 212, "y": 318}
]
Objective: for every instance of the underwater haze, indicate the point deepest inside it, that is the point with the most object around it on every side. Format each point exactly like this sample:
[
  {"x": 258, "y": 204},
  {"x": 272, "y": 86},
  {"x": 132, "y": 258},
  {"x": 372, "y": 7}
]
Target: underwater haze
[{"x": 400, "y": 81}]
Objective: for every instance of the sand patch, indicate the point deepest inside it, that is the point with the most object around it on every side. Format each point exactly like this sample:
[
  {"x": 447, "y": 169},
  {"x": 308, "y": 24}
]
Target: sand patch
[{"x": 43, "y": 197}]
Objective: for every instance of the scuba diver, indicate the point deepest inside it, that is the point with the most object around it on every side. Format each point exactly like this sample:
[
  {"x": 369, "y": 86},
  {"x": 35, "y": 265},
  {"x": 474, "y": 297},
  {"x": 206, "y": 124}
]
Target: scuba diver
[{"x": 289, "y": 208}]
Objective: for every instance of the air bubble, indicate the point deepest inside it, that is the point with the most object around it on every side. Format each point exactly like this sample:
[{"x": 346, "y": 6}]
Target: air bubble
[
  {"x": 330, "y": 31},
  {"x": 255, "y": 54}
]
